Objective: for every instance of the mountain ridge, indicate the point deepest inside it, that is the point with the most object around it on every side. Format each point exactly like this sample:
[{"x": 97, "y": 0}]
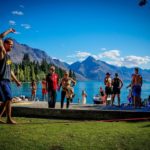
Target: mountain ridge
[
  {"x": 100, "y": 68},
  {"x": 88, "y": 69}
]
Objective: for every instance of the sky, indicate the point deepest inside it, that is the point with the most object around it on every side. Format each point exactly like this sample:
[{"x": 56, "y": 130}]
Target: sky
[{"x": 114, "y": 31}]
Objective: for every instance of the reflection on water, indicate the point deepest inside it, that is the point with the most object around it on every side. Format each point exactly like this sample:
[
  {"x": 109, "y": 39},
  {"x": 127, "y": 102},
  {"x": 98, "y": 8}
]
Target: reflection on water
[{"x": 91, "y": 88}]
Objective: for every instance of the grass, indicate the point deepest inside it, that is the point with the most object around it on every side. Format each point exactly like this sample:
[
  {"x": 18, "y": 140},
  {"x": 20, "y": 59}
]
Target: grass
[{"x": 45, "y": 134}]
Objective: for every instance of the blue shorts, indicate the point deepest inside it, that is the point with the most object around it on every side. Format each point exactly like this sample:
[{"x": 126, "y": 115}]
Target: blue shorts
[
  {"x": 136, "y": 91},
  {"x": 5, "y": 90}
]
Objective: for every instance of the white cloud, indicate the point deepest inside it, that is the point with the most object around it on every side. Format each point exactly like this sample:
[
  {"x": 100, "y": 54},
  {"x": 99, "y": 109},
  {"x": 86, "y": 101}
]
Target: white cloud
[
  {"x": 80, "y": 55},
  {"x": 22, "y": 6},
  {"x": 26, "y": 26},
  {"x": 70, "y": 62},
  {"x": 135, "y": 60},
  {"x": 17, "y": 32},
  {"x": 103, "y": 49},
  {"x": 113, "y": 57},
  {"x": 129, "y": 61},
  {"x": 19, "y": 13},
  {"x": 12, "y": 22},
  {"x": 115, "y": 63},
  {"x": 112, "y": 54}
]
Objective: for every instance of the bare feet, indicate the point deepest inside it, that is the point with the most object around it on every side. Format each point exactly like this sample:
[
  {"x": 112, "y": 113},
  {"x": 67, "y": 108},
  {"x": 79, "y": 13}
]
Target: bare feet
[{"x": 10, "y": 121}]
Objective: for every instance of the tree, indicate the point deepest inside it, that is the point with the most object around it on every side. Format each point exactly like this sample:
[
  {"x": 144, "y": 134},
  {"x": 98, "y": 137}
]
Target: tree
[
  {"x": 26, "y": 59},
  {"x": 21, "y": 75},
  {"x": 27, "y": 73},
  {"x": 44, "y": 66},
  {"x": 73, "y": 75},
  {"x": 32, "y": 72}
]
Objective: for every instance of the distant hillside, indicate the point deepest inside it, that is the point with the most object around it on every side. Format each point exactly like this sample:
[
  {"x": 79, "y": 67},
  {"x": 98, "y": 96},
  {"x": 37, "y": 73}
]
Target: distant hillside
[
  {"x": 89, "y": 69},
  {"x": 95, "y": 70},
  {"x": 37, "y": 55}
]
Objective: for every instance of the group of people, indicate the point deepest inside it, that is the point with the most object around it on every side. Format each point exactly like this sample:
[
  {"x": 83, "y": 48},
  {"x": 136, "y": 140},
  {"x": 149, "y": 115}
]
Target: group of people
[
  {"x": 34, "y": 90},
  {"x": 113, "y": 88},
  {"x": 51, "y": 84}
]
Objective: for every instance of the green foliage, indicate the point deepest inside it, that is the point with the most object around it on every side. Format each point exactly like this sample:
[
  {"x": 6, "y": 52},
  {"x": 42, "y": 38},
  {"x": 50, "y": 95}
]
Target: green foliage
[
  {"x": 72, "y": 74},
  {"x": 28, "y": 70}
]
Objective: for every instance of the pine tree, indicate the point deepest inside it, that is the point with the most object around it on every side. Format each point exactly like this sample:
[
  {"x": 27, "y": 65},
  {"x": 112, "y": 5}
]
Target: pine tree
[
  {"x": 32, "y": 72},
  {"x": 21, "y": 75}
]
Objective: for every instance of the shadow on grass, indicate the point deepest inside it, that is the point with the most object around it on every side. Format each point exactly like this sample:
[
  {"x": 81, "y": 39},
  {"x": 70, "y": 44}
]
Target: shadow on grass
[
  {"x": 146, "y": 126},
  {"x": 47, "y": 122},
  {"x": 56, "y": 147}
]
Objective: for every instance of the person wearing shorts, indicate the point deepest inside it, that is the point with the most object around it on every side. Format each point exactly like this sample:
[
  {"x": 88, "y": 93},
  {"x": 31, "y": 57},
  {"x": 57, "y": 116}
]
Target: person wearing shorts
[
  {"x": 108, "y": 86},
  {"x": 5, "y": 76},
  {"x": 117, "y": 85},
  {"x": 136, "y": 84}
]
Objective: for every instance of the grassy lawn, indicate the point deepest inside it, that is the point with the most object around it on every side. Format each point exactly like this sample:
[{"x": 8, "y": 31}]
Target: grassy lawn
[{"x": 45, "y": 134}]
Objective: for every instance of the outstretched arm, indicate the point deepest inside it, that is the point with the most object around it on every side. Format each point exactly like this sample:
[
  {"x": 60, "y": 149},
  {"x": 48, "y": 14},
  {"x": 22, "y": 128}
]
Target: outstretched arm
[
  {"x": 11, "y": 30},
  {"x": 2, "y": 49},
  {"x": 15, "y": 79},
  {"x": 2, "y": 35}
]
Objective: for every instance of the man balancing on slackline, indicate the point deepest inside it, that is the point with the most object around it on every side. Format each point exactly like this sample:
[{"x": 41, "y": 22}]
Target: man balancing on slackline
[{"x": 5, "y": 76}]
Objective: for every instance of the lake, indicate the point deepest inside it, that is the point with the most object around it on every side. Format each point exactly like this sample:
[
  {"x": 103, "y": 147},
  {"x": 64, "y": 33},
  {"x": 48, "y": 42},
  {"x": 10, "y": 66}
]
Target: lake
[{"x": 91, "y": 88}]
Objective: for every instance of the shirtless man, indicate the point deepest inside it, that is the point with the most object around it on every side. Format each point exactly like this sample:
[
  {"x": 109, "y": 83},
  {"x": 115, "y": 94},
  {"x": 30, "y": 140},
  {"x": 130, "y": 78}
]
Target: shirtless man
[
  {"x": 136, "y": 85},
  {"x": 108, "y": 86}
]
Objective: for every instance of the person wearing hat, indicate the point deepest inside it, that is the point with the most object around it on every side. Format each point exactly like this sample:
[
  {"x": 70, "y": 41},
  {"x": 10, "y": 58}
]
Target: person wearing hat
[
  {"x": 67, "y": 89},
  {"x": 108, "y": 86},
  {"x": 52, "y": 86},
  {"x": 117, "y": 85}
]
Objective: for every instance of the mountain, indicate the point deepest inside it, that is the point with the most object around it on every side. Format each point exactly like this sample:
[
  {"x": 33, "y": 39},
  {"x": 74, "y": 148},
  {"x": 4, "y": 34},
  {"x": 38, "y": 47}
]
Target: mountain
[
  {"x": 93, "y": 69},
  {"x": 19, "y": 50},
  {"x": 35, "y": 55},
  {"x": 89, "y": 69}
]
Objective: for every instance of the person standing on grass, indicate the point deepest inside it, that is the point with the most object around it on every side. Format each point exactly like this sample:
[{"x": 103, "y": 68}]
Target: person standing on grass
[
  {"x": 117, "y": 85},
  {"x": 52, "y": 86},
  {"x": 5, "y": 76}
]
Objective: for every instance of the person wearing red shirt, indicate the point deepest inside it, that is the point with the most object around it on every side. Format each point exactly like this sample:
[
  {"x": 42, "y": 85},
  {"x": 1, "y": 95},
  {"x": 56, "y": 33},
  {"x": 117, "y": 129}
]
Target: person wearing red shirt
[{"x": 52, "y": 86}]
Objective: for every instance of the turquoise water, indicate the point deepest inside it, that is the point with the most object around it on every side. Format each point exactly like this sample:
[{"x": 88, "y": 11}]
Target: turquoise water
[{"x": 91, "y": 88}]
